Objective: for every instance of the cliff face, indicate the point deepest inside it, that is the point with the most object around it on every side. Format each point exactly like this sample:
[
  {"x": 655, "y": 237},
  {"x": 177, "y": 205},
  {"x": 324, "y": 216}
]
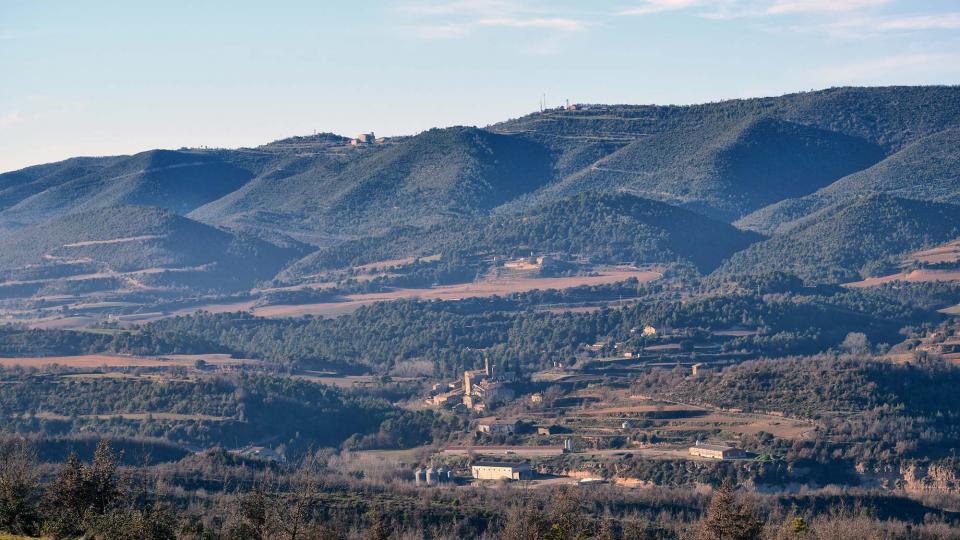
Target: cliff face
[
  {"x": 918, "y": 478},
  {"x": 913, "y": 477}
]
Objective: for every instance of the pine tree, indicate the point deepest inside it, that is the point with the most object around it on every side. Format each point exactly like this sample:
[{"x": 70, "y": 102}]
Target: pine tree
[{"x": 728, "y": 519}]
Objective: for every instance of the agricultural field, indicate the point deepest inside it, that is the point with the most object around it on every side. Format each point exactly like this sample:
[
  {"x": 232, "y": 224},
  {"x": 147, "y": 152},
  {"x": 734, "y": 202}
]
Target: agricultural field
[
  {"x": 501, "y": 286},
  {"x": 939, "y": 263},
  {"x": 97, "y": 361}
]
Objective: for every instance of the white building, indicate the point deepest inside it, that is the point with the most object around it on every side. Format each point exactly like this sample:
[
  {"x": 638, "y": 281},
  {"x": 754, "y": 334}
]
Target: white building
[
  {"x": 495, "y": 470},
  {"x": 497, "y": 428},
  {"x": 716, "y": 451}
]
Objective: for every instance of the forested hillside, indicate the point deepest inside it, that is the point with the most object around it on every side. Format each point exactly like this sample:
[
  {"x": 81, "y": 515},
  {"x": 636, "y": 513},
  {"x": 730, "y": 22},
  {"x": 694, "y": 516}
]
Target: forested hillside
[
  {"x": 849, "y": 241},
  {"x": 728, "y": 168},
  {"x": 418, "y": 180},
  {"x": 585, "y": 186},
  {"x": 156, "y": 244},
  {"x": 178, "y": 181},
  {"x": 608, "y": 228},
  {"x": 928, "y": 170}
]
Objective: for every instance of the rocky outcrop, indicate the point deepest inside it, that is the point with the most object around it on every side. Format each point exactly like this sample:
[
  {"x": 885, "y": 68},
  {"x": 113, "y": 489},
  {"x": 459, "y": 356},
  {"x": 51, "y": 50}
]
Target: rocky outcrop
[{"x": 930, "y": 478}]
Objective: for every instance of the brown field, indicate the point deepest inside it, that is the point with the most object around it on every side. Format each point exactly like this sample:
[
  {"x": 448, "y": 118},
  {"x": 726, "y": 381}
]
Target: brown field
[
  {"x": 494, "y": 287},
  {"x": 92, "y": 361},
  {"x": 915, "y": 276},
  {"x": 503, "y": 285},
  {"x": 63, "y": 323},
  {"x": 946, "y": 253},
  {"x": 955, "y": 310}
]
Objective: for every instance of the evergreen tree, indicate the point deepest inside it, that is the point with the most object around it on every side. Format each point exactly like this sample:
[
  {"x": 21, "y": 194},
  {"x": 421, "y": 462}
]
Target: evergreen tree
[{"x": 729, "y": 519}]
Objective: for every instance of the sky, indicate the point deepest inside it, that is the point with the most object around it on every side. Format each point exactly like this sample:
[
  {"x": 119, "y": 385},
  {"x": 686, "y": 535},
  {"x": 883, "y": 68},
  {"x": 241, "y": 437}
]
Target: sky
[{"x": 113, "y": 77}]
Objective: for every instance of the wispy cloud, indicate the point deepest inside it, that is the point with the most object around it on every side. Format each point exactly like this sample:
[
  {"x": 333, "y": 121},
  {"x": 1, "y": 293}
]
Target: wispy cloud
[
  {"x": 821, "y": 6},
  {"x": 458, "y": 17},
  {"x": 862, "y": 27},
  {"x": 943, "y": 21},
  {"x": 465, "y": 7},
  {"x": 442, "y": 30},
  {"x": 556, "y": 23},
  {"x": 882, "y": 69},
  {"x": 10, "y": 119},
  {"x": 849, "y": 19},
  {"x": 659, "y": 6},
  {"x": 730, "y": 9}
]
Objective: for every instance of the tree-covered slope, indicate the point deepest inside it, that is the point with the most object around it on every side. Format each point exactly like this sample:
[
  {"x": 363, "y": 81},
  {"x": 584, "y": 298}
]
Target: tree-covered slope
[
  {"x": 728, "y": 169},
  {"x": 175, "y": 180},
  {"x": 410, "y": 181},
  {"x": 16, "y": 186},
  {"x": 603, "y": 227},
  {"x": 928, "y": 169},
  {"x": 729, "y": 157},
  {"x": 849, "y": 241},
  {"x": 723, "y": 159},
  {"x": 123, "y": 239}
]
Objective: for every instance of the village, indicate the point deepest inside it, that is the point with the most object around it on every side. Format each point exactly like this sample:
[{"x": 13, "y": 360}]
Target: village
[{"x": 579, "y": 420}]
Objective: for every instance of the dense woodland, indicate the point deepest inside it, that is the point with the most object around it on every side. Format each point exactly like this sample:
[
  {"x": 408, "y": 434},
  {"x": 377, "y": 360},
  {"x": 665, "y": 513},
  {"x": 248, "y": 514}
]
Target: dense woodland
[{"x": 209, "y": 411}]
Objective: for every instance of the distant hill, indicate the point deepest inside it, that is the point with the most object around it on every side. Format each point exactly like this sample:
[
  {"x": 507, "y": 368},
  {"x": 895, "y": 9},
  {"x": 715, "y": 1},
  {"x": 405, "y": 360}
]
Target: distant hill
[
  {"x": 847, "y": 242},
  {"x": 728, "y": 158},
  {"x": 175, "y": 180},
  {"x": 139, "y": 246},
  {"x": 728, "y": 169},
  {"x": 928, "y": 169},
  {"x": 767, "y": 164},
  {"x": 417, "y": 180},
  {"x": 603, "y": 227}
]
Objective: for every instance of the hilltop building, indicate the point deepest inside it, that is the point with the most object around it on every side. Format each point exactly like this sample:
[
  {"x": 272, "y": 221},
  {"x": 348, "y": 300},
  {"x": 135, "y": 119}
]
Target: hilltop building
[{"x": 363, "y": 138}]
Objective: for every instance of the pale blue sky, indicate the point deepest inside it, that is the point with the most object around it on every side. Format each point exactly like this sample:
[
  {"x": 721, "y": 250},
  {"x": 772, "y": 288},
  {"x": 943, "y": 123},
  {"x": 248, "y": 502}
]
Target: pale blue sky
[{"x": 100, "y": 78}]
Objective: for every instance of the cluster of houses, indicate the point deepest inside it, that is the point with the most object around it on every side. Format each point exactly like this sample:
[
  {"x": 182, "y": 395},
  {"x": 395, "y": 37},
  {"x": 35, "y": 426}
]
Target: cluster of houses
[{"x": 479, "y": 390}]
